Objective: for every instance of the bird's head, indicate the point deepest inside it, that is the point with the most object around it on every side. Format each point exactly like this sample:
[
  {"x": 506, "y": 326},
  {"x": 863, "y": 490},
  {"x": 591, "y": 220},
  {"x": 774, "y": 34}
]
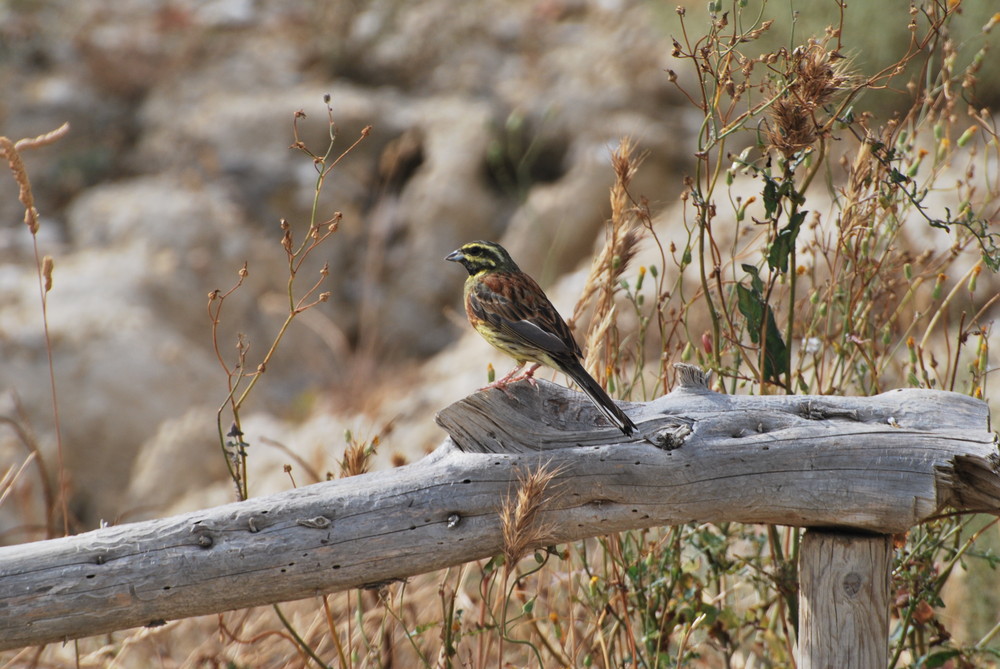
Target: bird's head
[{"x": 479, "y": 257}]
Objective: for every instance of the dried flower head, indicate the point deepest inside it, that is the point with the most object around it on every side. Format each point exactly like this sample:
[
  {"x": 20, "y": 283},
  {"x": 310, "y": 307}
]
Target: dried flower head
[
  {"x": 816, "y": 75},
  {"x": 790, "y": 130}
]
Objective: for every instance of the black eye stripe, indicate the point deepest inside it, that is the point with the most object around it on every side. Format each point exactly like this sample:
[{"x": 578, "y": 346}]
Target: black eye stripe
[{"x": 480, "y": 252}]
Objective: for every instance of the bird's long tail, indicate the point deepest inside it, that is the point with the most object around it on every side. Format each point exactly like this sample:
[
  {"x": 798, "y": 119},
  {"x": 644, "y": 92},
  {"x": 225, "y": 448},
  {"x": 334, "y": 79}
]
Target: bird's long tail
[{"x": 600, "y": 398}]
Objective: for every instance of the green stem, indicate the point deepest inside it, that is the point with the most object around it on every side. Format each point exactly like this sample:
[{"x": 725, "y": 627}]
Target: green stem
[{"x": 299, "y": 640}]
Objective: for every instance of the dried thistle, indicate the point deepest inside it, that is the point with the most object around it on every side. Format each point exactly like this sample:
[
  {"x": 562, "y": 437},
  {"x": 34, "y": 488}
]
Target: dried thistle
[
  {"x": 791, "y": 131},
  {"x": 519, "y": 513},
  {"x": 358, "y": 454},
  {"x": 816, "y": 76}
]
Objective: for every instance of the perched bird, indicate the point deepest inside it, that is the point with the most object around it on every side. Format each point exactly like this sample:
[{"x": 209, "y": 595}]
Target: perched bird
[{"x": 510, "y": 311}]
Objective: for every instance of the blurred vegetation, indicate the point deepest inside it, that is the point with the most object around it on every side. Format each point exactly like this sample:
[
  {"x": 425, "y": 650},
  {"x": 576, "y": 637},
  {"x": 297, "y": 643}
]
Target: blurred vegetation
[
  {"x": 876, "y": 34},
  {"x": 864, "y": 260}
]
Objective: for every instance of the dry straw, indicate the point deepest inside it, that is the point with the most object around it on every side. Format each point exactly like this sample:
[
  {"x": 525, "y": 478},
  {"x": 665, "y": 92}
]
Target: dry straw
[
  {"x": 623, "y": 235},
  {"x": 520, "y": 526}
]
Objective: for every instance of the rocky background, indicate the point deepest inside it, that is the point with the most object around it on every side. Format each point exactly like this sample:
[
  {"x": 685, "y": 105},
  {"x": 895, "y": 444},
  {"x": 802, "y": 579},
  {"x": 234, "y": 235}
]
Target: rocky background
[{"x": 491, "y": 120}]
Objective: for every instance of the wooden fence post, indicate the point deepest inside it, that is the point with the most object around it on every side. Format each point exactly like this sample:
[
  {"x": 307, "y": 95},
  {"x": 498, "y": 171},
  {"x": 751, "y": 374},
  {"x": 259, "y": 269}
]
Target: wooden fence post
[{"x": 844, "y": 600}]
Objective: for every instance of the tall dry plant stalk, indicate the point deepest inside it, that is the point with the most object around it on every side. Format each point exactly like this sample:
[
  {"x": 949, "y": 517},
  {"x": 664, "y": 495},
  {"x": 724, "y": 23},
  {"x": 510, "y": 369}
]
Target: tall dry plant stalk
[
  {"x": 521, "y": 531},
  {"x": 44, "y": 266},
  {"x": 622, "y": 236},
  {"x": 241, "y": 378}
]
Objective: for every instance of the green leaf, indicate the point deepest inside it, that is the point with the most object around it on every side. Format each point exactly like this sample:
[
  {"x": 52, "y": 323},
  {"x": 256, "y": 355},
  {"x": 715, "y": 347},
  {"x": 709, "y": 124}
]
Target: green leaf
[
  {"x": 750, "y": 301},
  {"x": 749, "y": 305},
  {"x": 755, "y": 281},
  {"x": 776, "y": 353},
  {"x": 771, "y": 197},
  {"x": 939, "y": 658},
  {"x": 777, "y": 257}
]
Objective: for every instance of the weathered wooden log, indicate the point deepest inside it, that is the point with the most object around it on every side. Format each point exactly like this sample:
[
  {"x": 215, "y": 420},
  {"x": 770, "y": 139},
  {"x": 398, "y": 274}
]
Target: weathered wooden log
[{"x": 879, "y": 464}]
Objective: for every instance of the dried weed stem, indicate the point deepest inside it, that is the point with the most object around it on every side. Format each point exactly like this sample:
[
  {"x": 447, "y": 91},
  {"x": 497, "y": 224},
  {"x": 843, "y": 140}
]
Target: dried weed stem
[{"x": 44, "y": 267}]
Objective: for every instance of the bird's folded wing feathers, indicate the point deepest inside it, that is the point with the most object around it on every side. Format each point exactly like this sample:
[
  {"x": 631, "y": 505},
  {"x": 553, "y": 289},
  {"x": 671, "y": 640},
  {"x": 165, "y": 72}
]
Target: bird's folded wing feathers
[
  {"x": 532, "y": 334},
  {"x": 536, "y": 323}
]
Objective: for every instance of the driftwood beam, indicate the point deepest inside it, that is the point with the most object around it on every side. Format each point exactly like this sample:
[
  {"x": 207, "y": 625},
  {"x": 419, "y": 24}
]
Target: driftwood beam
[{"x": 879, "y": 464}]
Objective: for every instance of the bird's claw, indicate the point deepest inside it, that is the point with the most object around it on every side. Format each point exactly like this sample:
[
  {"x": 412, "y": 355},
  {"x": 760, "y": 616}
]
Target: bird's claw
[
  {"x": 514, "y": 377},
  {"x": 500, "y": 385}
]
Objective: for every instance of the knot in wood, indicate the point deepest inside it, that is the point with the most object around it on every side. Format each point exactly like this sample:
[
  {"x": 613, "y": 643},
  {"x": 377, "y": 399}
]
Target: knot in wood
[
  {"x": 317, "y": 523},
  {"x": 672, "y": 436},
  {"x": 203, "y": 538},
  {"x": 852, "y": 583}
]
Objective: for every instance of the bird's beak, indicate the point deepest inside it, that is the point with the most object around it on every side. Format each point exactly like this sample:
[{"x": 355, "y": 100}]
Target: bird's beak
[{"x": 455, "y": 256}]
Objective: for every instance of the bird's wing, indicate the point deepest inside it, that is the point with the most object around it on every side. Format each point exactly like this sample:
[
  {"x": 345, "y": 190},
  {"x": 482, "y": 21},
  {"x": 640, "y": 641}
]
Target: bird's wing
[{"x": 517, "y": 306}]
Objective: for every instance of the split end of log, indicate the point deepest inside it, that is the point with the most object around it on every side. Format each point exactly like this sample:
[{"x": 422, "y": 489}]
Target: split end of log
[
  {"x": 972, "y": 483},
  {"x": 691, "y": 377}
]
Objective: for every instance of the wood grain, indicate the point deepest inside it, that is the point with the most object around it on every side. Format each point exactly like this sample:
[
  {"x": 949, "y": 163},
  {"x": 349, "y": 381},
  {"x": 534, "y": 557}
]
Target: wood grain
[
  {"x": 844, "y": 600},
  {"x": 880, "y": 464}
]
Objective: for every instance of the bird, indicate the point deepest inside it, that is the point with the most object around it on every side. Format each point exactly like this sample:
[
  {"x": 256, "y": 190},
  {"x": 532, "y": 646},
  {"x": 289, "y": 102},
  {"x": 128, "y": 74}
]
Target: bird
[{"x": 512, "y": 313}]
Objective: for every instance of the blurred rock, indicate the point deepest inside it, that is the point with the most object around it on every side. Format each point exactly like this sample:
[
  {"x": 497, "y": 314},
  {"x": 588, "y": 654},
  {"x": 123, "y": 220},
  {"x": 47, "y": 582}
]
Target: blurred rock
[{"x": 178, "y": 170}]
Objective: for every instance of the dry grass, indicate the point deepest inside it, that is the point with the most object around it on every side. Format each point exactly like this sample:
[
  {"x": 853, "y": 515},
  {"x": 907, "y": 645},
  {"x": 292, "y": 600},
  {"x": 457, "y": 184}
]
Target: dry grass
[
  {"x": 520, "y": 524},
  {"x": 623, "y": 234}
]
